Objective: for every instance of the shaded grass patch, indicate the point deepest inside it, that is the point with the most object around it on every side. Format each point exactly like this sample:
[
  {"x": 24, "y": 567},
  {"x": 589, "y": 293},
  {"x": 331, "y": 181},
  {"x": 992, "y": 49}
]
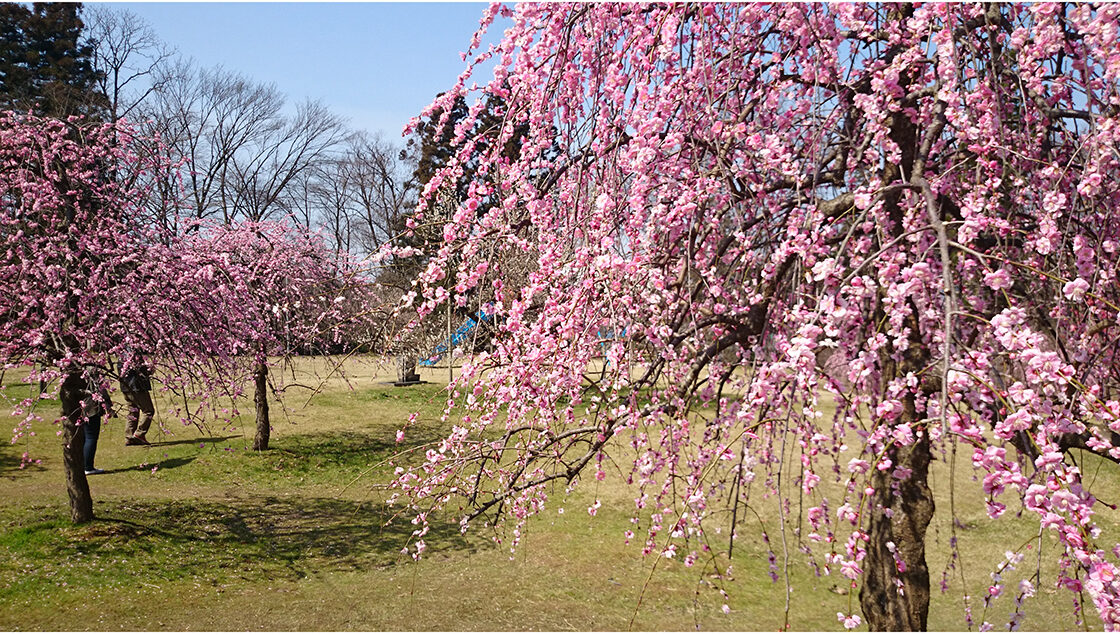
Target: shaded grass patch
[{"x": 210, "y": 541}]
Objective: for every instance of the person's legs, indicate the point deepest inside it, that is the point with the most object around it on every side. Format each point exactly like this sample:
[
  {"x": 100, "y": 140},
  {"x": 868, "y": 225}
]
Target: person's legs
[
  {"x": 133, "y": 413},
  {"x": 92, "y": 431},
  {"x": 145, "y": 405}
]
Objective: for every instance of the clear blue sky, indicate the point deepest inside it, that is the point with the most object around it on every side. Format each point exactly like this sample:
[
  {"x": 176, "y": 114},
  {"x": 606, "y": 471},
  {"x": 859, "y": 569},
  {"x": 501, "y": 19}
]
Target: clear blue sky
[{"x": 376, "y": 63}]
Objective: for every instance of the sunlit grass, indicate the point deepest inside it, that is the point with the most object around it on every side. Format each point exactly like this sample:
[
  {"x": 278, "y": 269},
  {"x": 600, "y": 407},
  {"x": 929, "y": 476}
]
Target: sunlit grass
[{"x": 197, "y": 532}]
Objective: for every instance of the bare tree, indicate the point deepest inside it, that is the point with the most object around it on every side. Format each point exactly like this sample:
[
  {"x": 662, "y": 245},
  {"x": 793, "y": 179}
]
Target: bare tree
[
  {"x": 324, "y": 199},
  {"x": 244, "y": 154},
  {"x": 128, "y": 58},
  {"x": 301, "y": 203},
  {"x": 383, "y": 189},
  {"x": 263, "y": 171},
  {"x": 359, "y": 198}
]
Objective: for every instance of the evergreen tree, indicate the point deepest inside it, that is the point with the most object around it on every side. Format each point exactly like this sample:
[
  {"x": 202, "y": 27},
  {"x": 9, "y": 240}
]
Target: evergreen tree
[
  {"x": 14, "y": 76},
  {"x": 433, "y": 146},
  {"x": 44, "y": 67}
]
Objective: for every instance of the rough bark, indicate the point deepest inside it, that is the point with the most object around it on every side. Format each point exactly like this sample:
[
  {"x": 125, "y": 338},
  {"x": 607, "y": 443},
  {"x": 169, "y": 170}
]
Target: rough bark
[
  {"x": 895, "y": 593},
  {"x": 72, "y": 392},
  {"x": 260, "y": 400}
]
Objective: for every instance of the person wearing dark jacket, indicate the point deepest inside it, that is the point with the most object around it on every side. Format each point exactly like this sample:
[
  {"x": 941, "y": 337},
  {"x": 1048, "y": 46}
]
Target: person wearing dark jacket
[
  {"x": 136, "y": 386},
  {"x": 95, "y": 404}
]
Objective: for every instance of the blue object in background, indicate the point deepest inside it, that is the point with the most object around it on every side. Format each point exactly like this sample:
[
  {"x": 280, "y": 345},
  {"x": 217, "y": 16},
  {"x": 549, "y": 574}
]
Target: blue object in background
[{"x": 458, "y": 336}]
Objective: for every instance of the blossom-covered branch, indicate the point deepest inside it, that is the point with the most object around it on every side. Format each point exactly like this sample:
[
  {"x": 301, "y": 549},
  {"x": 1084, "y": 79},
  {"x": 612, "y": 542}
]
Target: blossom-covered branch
[{"x": 762, "y": 211}]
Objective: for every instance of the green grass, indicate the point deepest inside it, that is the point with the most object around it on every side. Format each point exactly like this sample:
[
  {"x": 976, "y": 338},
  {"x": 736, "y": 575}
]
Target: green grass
[{"x": 197, "y": 532}]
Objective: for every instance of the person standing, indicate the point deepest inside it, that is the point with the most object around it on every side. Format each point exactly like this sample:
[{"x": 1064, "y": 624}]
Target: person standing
[
  {"x": 95, "y": 404},
  {"x": 136, "y": 386}
]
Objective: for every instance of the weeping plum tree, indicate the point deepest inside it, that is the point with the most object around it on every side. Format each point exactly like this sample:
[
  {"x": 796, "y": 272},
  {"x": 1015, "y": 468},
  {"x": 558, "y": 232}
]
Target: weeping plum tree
[
  {"x": 84, "y": 281},
  {"x": 54, "y": 202},
  {"x": 296, "y": 293},
  {"x": 759, "y": 212}
]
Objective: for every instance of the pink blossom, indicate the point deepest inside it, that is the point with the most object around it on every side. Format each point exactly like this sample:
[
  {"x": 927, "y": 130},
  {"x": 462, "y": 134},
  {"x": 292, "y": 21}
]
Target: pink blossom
[
  {"x": 998, "y": 279},
  {"x": 849, "y": 621},
  {"x": 850, "y": 569},
  {"x": 1075, "y": 289},
  {"x": 732, "y": 243}
]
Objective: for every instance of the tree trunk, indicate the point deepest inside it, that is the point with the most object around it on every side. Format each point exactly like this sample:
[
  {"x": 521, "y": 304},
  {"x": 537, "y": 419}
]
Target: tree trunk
[
  {"x": 895, "y": 593},
  {"x": 72, "y": 392},
  {"x": 260, "y": 399}
]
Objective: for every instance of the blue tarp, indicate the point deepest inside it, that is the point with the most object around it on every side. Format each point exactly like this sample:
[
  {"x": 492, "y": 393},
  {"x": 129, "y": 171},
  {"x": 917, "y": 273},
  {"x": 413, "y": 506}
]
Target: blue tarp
[
  {"x": 465, "y": 329},
  {"x": 458, "y": 336}
]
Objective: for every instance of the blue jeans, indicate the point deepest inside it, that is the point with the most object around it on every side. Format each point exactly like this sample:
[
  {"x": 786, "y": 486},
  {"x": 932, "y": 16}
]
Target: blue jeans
[{"x": 92, "y": 429}]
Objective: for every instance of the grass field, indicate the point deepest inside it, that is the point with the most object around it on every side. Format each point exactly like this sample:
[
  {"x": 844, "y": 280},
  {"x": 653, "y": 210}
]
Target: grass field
[{"x": 197, "y": 532}]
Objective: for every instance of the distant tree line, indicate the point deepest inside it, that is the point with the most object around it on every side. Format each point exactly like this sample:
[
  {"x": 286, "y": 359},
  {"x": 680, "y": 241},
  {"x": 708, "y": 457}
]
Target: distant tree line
[{"x": 250, "y": 153}]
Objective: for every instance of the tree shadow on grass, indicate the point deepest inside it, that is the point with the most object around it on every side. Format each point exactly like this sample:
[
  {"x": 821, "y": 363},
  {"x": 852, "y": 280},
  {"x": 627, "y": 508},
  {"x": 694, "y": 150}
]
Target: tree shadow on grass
[
  {"x": 165, "y": 464},
  {"x": 290, "y": 537},
  {"x": 206, "y": 542},
  {"x": 10, "y": 463},
  {"x": 311, "y": 452},
  {"x": 194, "y": 441}
]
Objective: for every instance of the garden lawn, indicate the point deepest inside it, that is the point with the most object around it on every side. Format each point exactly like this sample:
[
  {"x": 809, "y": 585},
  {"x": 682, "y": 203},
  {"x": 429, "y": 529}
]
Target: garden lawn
[{"x": 197, "y": 532}]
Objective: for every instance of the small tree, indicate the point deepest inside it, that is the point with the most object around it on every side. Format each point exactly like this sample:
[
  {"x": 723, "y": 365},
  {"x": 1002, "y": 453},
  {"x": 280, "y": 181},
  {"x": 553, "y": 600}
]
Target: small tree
[
  {"x": 914, "y": 194},
  {"x": 295, "y": 289}
]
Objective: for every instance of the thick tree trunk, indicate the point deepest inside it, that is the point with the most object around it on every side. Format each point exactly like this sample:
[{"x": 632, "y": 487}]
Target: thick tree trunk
[
  {"x": 73, "y": 445},
  {"x": 260, "y": 399},
  {"x": 895, "y": 591}
]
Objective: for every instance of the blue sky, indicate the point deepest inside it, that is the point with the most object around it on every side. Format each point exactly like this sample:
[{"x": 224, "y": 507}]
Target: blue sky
[{"x": 376, "y": 63}]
